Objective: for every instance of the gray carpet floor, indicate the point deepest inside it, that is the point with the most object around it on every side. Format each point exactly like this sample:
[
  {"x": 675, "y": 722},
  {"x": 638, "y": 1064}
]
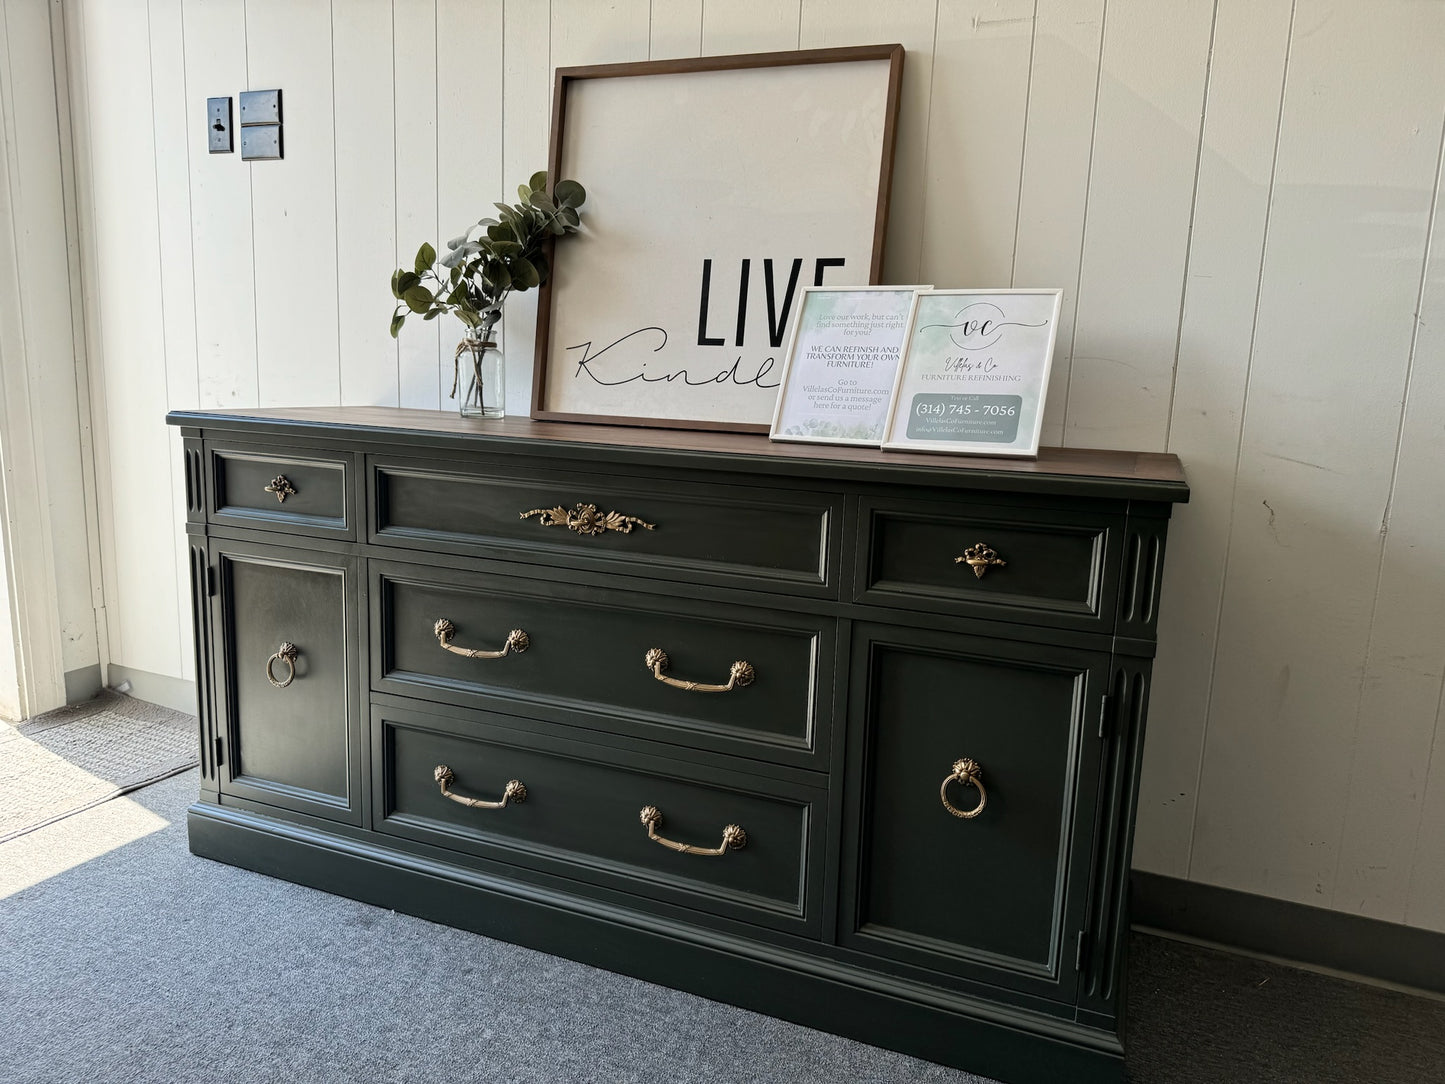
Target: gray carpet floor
[
  {"x": 73, "y": 758},
  {"x": 123, "y": 958}
]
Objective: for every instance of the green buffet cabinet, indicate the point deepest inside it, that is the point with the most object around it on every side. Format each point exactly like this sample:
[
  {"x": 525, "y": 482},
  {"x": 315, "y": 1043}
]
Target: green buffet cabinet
[{"x": 847, "y": 737}]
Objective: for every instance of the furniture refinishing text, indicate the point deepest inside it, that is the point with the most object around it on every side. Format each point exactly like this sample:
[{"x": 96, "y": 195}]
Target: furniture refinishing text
[{"x": 847, "y": 737}]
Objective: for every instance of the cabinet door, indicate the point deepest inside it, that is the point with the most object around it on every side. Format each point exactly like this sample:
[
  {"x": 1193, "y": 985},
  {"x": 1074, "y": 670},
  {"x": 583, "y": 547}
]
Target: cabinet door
[
  {"x": 998, "y": 896},
  {"x": 288, "y": 655}
]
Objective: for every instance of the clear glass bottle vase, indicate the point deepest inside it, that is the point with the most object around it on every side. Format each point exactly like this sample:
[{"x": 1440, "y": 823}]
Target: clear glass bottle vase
[{"x": 480, "y": 384}]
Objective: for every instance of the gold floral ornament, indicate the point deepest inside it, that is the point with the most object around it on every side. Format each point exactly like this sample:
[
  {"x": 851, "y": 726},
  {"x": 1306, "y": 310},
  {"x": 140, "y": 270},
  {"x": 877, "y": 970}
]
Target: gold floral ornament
[
  {"x": 586, "y": 520},
  {"x": 980, "y": 558},
  {"x": 282, "y": 487}
]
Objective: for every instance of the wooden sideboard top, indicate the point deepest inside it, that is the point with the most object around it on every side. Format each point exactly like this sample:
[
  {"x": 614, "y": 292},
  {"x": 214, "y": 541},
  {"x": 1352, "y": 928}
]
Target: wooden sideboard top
[{"x": 1145, "y": 475}]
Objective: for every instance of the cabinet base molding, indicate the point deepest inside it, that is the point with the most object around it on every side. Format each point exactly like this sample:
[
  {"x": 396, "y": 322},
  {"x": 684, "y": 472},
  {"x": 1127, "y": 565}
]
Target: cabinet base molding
[{"x": 926, "y": 1022}]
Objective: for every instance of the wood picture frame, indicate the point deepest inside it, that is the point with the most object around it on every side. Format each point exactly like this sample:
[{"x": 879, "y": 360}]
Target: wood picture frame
[{"x": 717, "y": 187}]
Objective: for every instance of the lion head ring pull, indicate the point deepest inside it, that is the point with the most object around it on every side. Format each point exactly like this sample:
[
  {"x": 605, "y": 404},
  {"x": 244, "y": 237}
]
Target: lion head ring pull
[
  {"x": 968, "y": 773},
  {"x": 285, "y": 653}
]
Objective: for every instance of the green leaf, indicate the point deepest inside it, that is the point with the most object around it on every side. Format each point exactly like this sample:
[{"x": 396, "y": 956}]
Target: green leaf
[
  {"x": 485, "y": 222},
  {"x": 432, "y": 315},
  {"x": 425, "y": 257},
  {"x": 405, "y": 280},
  {"x": 538, "y": 182},
  {"x": 453, "y": 258},
  {"x": 572, "y": 218},
  {"x": 499, "y": 232},
  {"x": 457, "y": 242},
  {"x": 524, "y": 194},
  {"x": 544, "y": 201},
  {"x": 397, "y": 319},
  {"x": 395, "y": 281},
  {"x": 497, "y": 274},
  {"x": 505, "y": 210},
  {"x": 524, "y": 275},
  {"x": 418, "y": 299},
  {"x": 506, "y": 248},
  {"x": 569, "y": 194}
]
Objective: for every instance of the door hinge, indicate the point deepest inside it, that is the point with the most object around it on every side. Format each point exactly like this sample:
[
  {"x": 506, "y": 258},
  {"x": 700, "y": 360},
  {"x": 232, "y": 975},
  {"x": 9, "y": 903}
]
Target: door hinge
[
  {"x": 220, "y": 759},
  {"x": 210, "y": 581},
  {"x": 1106, "y": 715},
  {"x": 1081, "y": 955}
]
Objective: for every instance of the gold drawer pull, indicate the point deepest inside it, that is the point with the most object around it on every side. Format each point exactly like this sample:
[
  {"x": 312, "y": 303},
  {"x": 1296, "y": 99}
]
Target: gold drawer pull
[
  {"x": 444, "y": 630},
  {"x": 586, "y": 520},
  {"x": 969, "y": 773},
  {"x": 286, "y": 653},
  {"x": 741, "y": 673},
  {"x": 282, "y": 487},
  {"x": 514, "y": 791},
  {"x": 733, "y": 836},
  {"x": 979, "y": 558}
]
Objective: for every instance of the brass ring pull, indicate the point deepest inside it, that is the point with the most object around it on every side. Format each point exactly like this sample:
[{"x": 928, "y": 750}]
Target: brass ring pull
[
  {"x": 969, "y": 773},
  {"x": 980, "y": 558},
  {"x": 740, "y": 674},
  {"x": 286, "y": 653},
  {"x": 733, "y": 836},
  {"x": 444, "y": 630},
  {"x": 514, "y": 791}
]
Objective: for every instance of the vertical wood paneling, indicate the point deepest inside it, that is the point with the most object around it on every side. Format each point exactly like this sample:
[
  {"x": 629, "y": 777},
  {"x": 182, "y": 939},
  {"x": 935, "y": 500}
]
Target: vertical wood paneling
[
  {"x": 975, "y": 141},
  {"x": 1058, "y": 145},
  {"x": 177, "y": 281},
  {"x": 526, "y": 87},
  {"x": 1146, "y": 146},
  {"x": 415, "y": 38},
  {"x": 749, "y": 26},
  {"x": 293, "y": 206},
  {"x": 675, "y": 29},
  {"x": 469, "y": 136},
  {"x": 585, "y": 32},
  {"x": 144, "y": 627},
  {"x": 1396, "y": 784},
  {"x": 1231, "y": 209},
  {"x": 366, "y": 242},
  {"x": 1319, "y": 443},
  {"x": 221, "y": 244},
  {"x": 832, "y": 23}
]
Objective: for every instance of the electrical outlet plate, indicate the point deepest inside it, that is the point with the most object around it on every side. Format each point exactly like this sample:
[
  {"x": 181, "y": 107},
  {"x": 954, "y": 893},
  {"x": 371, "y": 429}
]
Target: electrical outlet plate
[
  {"x": 218, "y": 125},
  {"x": 261, "y": 142},
  {"x": 260, "y": 107}
]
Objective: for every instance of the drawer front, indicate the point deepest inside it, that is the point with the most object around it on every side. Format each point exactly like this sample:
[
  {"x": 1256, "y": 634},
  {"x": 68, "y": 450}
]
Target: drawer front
[
  {"x": 579, "y": 811},
  {"x": 586, "y": 660},
  {"x": 299, "y": 493},
  {"x": 998, "y": 896},
  {"x": 678, "y": 530},
  {"x": 1034, "y": 566},
  {"x": 288, "y": 660}
]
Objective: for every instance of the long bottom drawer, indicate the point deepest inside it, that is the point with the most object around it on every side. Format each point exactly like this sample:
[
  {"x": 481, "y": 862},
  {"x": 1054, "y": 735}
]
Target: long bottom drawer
[{"x": 707, "y": 838}]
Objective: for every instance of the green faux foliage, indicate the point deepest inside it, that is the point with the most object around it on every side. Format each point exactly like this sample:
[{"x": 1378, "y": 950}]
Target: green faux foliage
[{"x": 494, "y": 258}]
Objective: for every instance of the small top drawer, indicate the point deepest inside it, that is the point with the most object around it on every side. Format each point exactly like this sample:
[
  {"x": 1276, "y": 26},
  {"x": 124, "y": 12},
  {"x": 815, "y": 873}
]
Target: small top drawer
[
  {"x": 1037, "y": 566},
  {"x": 302, "y": 493},
  {"x": 681, "y": 530}
]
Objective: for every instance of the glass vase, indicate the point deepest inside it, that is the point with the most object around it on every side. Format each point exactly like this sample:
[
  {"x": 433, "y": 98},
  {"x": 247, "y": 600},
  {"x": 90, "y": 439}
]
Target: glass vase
[{"x": 480, "y": 386}]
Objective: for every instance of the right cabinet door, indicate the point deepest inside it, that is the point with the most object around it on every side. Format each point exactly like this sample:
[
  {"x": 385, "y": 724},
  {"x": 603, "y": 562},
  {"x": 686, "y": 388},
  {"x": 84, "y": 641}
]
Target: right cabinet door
[{"x": 999, "y": 895}]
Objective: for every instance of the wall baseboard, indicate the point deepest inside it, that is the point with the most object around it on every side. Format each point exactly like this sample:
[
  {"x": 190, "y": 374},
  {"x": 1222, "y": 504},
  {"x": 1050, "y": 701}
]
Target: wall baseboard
[
  {"x": 83, "y": 683},
  {"x": 1316, "y": 936},
  {"x": 174, "y": 693}
]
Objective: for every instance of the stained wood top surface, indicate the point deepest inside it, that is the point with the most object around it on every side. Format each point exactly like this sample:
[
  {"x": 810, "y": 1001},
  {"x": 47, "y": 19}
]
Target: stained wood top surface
[{"x": 1159, "y": 472}]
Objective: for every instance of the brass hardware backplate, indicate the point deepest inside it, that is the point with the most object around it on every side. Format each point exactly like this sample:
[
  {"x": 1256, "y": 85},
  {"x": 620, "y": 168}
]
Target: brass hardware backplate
[
  {"x": 970, "y": 773},
  {"x": 733, "y": 837},
  {"x": 282, "y": 487},
  {"x": 586, "y": 520},
  {"x": 980, "y": 558}
]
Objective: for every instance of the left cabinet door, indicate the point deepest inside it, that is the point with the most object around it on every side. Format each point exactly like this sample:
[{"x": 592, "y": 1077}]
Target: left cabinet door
[{"x": 288, "y": 659}]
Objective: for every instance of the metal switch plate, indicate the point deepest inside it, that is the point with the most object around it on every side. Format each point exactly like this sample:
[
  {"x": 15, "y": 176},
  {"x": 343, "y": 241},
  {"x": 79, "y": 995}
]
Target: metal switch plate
[
  {"x": 261, "y": 142},
  {"x": 218, "y": 125},
  {"x": 260, "y": 107}
]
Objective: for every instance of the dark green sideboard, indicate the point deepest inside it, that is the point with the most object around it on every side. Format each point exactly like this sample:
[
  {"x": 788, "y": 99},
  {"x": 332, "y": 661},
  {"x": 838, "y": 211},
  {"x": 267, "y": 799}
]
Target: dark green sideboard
[{"x": 846, "y": 737}]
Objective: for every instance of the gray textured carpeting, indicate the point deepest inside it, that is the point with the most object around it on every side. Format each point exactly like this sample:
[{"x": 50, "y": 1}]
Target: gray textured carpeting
[
  {"x": 70, "y": 759},
  {"x": 123, "y": 958}
]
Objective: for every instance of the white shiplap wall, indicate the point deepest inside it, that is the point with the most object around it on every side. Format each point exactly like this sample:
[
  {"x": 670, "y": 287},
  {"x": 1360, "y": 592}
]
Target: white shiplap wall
[{"x": 1238, "y": 197}]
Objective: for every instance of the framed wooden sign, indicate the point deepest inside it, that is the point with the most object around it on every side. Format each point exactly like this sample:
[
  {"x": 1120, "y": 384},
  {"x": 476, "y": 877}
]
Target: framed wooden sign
[
  {"x": 974, "y": 372},
  {"x": 842, "y": 358},
  {"x": 717, "y": 188}
]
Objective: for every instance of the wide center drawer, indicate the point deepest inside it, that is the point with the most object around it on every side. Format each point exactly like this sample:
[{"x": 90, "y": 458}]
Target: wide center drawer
[
  {"x": 750, "y": 849},
  {"x": 725, "y": 678},
  {"x": 674, "y": 529}
]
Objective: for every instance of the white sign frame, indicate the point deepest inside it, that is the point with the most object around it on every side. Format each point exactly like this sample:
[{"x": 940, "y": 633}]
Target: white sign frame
[
  {"x": 716, "y": 188},
  {"x": 793, "y": 371},
  {"x": 997, "y": 359}
]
